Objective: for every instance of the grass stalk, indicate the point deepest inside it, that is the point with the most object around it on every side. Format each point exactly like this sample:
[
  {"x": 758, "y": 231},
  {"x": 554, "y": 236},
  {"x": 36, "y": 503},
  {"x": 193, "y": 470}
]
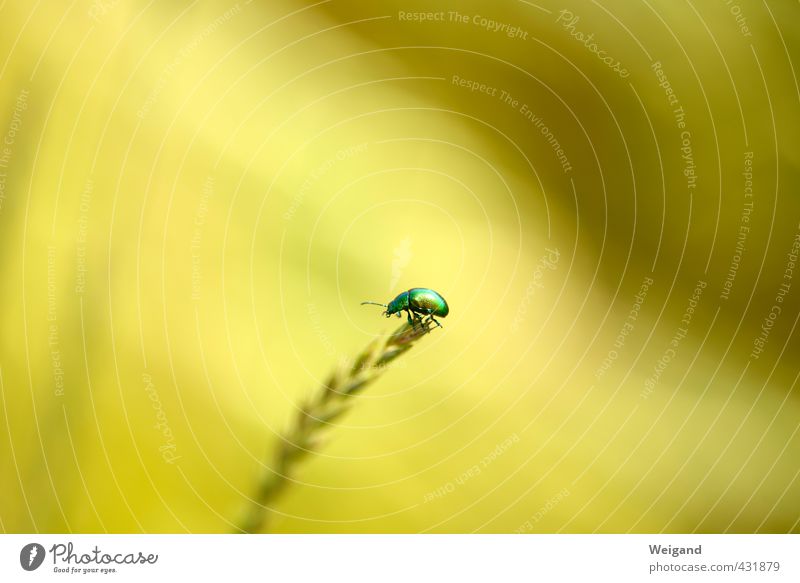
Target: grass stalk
[{"x": 330, "y": 401}]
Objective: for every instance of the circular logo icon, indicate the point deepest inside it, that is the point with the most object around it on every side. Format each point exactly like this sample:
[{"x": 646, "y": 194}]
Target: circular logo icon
[{"x": 31, "y": 556}]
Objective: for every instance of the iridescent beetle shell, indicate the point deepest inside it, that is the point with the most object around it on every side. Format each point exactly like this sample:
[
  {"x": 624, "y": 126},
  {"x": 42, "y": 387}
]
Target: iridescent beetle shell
[{"x": 420, "y": 301}]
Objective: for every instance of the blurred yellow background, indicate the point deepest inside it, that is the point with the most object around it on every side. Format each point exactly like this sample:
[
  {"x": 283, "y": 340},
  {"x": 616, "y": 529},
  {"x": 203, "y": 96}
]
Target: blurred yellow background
[{"x": 196, "y": 197}]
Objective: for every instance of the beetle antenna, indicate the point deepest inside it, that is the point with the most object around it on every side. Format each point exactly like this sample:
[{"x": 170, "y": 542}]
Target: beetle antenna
[{"x": 374, "y": 304}]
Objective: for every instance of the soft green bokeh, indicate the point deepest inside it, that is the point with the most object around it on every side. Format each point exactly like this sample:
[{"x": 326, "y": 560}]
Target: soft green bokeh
[{"x": 236, "y": 178}]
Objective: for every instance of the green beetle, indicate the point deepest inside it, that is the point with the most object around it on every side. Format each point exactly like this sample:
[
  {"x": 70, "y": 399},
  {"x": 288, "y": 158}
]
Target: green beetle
[{"x": 420, "y": 301}]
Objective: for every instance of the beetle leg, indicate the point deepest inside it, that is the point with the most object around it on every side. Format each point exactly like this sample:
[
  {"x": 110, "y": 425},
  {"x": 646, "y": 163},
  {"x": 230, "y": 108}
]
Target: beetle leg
[{"x": 429, "y": 314}]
